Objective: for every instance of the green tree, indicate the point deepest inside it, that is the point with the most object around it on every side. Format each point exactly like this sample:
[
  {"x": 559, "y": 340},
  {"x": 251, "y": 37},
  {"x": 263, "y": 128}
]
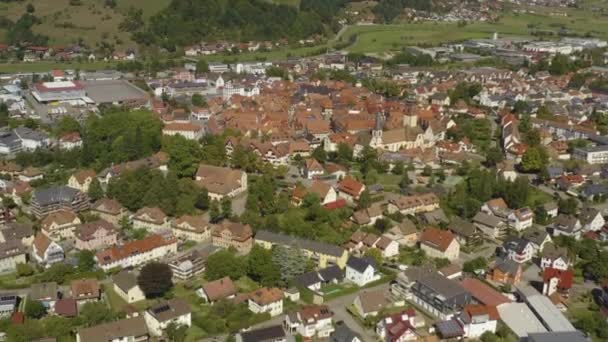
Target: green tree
[
  {"x": 95, "y": 190},
  {"x": 202, "y": 199},
  {"x": 225, "y": 263},
  {"x": 472, "y": 266},
  {"x": 214, "y": 211},
  {"x": 494, "y": 156},
  {"x": 31, "y": 330},
  {"x": 202, "y": 66},
  {"x": 226, "y": 205},
  {"x": 365, "y": 200},
  {"x": 34, "y": 309},
  {"x": 376, "y": 255},
  {"x": 568, "y": 206},
  {"x": 67, "y": 124},
  {"x": 198, "y": 100},
  {"x": 534, "y": 159},
  {"x": 155, "y": 279},
  {"x": 24, "y": 270},
  {"x": 290, "y": 260},
  {"x": 261, "y": 268},
  {"x": 184, "y": 155},
  {"x": 95, "y": 313},
  {"x": 319, "y": 154},
  {"x": 404, "y": 182},
  {"x": 176, "y": 332},
  {"x": 86, "y": 261}
]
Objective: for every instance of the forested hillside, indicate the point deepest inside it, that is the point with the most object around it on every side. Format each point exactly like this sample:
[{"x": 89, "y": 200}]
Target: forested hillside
[{"x": 185, "y": 22}]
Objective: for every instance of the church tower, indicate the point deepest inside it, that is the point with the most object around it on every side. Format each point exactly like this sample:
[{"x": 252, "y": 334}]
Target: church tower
[{"x": 377, "y": 131}]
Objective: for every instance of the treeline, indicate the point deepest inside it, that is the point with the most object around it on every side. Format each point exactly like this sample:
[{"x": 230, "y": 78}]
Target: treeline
[
  {"x": 187, "y": 22},
  {"x": 387, "y": 10}
]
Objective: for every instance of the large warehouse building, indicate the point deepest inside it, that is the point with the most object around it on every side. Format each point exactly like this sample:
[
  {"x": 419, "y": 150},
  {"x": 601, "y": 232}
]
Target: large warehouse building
[{"x": 58, "y": 91}]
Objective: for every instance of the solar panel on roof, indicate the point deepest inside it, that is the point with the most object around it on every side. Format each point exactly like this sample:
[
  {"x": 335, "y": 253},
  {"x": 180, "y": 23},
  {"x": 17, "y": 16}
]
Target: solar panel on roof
[{"x": 161, "y": 309}]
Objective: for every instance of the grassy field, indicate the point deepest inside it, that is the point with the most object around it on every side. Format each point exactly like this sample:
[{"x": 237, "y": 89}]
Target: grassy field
[
  {"x": 91, "y": 21},
  {"x": 46, "y": 66}
]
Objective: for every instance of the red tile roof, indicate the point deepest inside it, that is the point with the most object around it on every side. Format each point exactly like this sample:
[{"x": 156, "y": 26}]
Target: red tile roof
[
  {"x": 483, "y": 293},
  {"x": 437, "y": 238},
  {"x": 565, "y": 277}
]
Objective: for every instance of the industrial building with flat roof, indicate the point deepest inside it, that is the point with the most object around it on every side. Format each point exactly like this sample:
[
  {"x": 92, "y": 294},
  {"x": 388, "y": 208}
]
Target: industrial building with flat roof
[{"x": 58, "y": 91}]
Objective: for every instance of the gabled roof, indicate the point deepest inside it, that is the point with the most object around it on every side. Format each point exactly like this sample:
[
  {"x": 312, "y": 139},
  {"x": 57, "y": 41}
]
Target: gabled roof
[
  {"x": 219, "y": 289},
  {"x": 483, "y": 293},
  {"x": 168, "y": 310},
  {"x": 437, "y": 238},
  {"x": 360, "y": 264}
]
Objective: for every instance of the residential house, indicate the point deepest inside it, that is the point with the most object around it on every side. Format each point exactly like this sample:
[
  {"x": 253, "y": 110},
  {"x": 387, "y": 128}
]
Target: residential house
[
  {"x": 152, "y": 219},
  {"x": 537, "y": 237},
  {"x": 233, "y": 234},
  {"x": 567, "y": 226},
  {"x": 66, "y": 307},
  {"x": 55, "y": 198},
  {"x": 491, "y": 226},
  {"x": 312, "y": 168},
  {"x": 273, "y": 333},
  {"x": 551, "y": 209},
  {"x": 95, "y": 235},
  {"x": 505, "y": 272},
  {"x": 81, "y": 180},
  {"x": 466, "y": 233},
  {"x": 216, "y": 290},
  {"x": 326, "y": 193},
  {"x": 126, "y": 287},
  {"x": 8, "y": 304},
  {"x": 471, "y": 323},
  {"x": 555, "y": 257},
  {"x": 497, "y": 207},
  {"x": 138, "y": 252},
  {"x": 368, "y": 216},
  {"x": 31, "y": 174},
  {"x": 60, "y": 224},
  {"x": 361, "y": 242},
  {"x": 266, "y": 300},
  {"x": 46, "y": 293},
  {"x": 12, "y": 253},
  {"x": 314, "y": 280},
  {"x": 46, "y": 251},
  {"x": 370, "y": 302},
  {"x": 189, "y": 264},
  {"x": 521, "y": 219},
  {"x": 399, "y": 326},
  {"x": 174, "y": 311},
  {"x": 557, "y": 281},
  {"x": 85, "y": 290},
  {"x": 310, "y": 321},
  {"x": 343, "y": 333},
  {"x": 221, "y": 181},
  {"x": 15, "y": 231},
  {"x": 591, "y": 219},
  {"x": 350, "y": 189},
  {"x": 70, "y": 141},
  {"x": 110, "y": 210},
  {"x": 129, "y": 329},
  {"x": 518, "y": 249},
  {"x": 193, "y": 228},
  {"x": 439, "y": 243},
  {"x": 440, "y": 296},
  {"x": 404, "y": 233},
  {"x": 322, "y": 253},
  {"x": 361, "y": 271},
  {"x": 188, "y": 130},
  {"x": 414, "y": 204},
  {"x": 483, "y": 294}
]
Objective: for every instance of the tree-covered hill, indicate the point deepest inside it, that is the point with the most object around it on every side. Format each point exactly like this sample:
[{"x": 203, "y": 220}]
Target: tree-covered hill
[{"x": 186, "y": 22}]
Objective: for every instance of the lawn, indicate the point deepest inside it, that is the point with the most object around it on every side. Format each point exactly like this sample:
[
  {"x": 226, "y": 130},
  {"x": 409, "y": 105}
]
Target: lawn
[
  {"x": 49, "y": 65},
  {"x": 91, "y": 21},
  {"x": 538, "y": 197}
]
